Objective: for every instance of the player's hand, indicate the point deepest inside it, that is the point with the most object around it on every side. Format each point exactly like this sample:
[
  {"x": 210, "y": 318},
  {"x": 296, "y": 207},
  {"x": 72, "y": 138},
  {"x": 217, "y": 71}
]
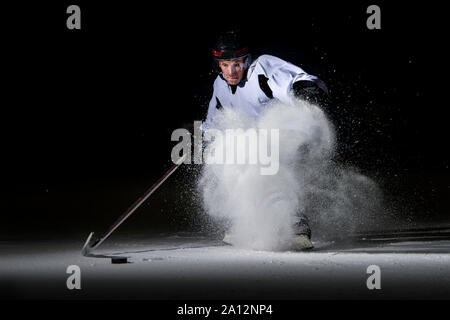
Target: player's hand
[{"x": 309, "y": 91}]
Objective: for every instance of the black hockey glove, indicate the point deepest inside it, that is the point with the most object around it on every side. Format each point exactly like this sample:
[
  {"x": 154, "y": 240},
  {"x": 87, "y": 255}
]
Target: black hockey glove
[{"x": 310, "y": 91}]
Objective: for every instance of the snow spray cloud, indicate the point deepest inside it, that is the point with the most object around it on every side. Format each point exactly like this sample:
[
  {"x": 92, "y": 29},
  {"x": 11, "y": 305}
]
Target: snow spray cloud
[{"x": 261, "y": 210}]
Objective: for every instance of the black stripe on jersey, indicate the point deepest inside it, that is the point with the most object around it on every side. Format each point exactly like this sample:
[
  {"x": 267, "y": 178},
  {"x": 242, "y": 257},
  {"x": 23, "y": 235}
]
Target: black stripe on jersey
[{"x": 265, "y": 86}]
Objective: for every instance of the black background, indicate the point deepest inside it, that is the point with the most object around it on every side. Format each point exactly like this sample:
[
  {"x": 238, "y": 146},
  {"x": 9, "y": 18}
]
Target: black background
[{"x": 87, "y": 114}]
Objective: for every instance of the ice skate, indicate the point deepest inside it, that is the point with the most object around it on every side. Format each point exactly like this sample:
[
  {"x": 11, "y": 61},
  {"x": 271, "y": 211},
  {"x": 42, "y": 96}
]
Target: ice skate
[
  {"x": 229, "y": 239},
  {"x": 302, "y": 238}
]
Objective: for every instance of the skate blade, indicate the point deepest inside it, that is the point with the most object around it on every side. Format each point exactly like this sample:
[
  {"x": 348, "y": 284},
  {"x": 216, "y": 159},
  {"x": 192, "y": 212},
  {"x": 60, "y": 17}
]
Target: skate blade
[
  {"x": 228, "y": 239},
  {"x": 302, "y": 242}
]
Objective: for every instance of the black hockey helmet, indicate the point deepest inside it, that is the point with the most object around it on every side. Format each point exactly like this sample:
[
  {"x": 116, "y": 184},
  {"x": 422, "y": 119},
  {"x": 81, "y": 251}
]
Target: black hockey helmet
[{"x": 231, "y": 45}]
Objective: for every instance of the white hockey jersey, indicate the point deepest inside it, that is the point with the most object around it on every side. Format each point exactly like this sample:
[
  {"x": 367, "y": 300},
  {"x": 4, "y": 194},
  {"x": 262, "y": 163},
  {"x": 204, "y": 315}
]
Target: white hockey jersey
[{"x": 267, "y": 78}]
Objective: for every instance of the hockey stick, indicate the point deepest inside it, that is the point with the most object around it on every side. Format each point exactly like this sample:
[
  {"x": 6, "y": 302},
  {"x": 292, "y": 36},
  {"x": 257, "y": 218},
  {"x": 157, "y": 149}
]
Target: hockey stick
[{"x": 92, "y": 243}]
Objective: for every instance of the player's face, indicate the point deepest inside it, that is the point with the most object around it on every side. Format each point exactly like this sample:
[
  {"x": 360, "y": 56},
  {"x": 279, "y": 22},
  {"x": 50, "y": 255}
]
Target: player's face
[{"x": 233, "y": 70}]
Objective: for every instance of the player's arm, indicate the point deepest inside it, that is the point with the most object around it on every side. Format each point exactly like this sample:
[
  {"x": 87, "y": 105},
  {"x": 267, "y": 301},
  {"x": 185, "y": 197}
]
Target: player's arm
[{"x": 287, "y": 80}]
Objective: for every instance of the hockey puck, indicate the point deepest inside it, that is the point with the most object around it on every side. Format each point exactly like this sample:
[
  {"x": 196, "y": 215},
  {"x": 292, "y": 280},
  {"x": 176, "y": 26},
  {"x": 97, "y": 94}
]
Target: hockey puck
[{"x": 119, "y": 260}]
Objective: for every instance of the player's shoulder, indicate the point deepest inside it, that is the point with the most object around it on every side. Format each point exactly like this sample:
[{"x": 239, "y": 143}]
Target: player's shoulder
[
  {"x": 219, "y": 81},
  {"x": 266, "y": 64},
  {"x": 268, "y": 60}
]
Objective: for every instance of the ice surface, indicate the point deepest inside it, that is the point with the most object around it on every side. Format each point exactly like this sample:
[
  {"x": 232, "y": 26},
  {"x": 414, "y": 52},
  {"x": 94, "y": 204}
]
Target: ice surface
[{"x": 38, "y": 270}]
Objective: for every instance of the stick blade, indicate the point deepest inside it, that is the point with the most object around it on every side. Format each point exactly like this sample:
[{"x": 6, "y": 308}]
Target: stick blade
[{"x": 85, "y": 251}]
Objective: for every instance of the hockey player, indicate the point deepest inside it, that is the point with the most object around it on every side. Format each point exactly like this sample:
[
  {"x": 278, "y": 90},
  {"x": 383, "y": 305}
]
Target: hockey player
[{"x": 249, "y": 85}]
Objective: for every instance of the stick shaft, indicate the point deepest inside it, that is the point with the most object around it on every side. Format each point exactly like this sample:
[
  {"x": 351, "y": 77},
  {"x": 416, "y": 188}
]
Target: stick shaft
[{"x": 137, "y": 203}]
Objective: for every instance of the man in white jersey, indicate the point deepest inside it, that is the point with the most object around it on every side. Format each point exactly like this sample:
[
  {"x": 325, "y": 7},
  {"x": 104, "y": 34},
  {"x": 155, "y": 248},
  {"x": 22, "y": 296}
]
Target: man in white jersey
[{"x": 249, "y": 85}]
